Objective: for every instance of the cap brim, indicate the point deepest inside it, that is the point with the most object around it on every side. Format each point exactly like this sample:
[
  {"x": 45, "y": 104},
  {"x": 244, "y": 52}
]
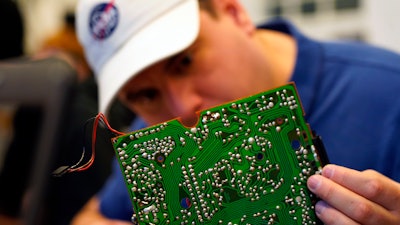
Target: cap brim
[{"x": 169, "y": 34}]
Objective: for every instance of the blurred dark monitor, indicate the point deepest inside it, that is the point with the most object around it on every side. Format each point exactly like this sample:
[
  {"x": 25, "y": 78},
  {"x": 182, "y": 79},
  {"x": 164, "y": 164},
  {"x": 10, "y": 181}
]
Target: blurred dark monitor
[{"x": 46, "y": 84}]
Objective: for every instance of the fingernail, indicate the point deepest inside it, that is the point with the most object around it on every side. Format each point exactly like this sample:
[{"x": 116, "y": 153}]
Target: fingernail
[
  {"x": 313, "y": 183},
  {"x": 328, "y": 171},
  {"x": 320, "y": 207}
]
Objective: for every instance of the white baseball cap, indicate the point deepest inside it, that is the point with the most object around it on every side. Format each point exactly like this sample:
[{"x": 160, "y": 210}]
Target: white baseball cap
[{"x": 123, "y": 37}]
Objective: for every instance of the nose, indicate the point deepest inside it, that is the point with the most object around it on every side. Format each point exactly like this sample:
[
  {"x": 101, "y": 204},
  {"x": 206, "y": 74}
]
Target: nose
[{"x": 184, "y": 102}]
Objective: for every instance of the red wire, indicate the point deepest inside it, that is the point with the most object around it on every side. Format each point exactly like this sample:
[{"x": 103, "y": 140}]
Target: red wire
[
  {"x": 98, "y": 117},
  {"x": 101, "y": 115}
]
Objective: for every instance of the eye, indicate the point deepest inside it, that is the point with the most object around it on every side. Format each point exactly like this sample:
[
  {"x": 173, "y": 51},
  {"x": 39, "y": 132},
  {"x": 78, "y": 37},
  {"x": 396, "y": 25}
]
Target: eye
[
  {"x": 144, "y": 96},
  {"x": 180, "y": 63},
  {"x": 186, "y": 60}
]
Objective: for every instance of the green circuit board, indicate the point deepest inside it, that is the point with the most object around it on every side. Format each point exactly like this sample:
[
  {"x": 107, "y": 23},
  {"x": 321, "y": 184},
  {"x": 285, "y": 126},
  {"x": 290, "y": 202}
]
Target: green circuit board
[{"x": 245, "y": 162}]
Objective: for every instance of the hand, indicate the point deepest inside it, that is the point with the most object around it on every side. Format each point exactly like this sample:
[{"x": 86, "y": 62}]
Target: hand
[{"x": 353, "y": 197}]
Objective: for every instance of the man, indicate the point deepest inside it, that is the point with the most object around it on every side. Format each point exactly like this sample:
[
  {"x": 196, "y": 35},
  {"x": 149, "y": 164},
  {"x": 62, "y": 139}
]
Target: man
[{"x": 167, "y": 59}]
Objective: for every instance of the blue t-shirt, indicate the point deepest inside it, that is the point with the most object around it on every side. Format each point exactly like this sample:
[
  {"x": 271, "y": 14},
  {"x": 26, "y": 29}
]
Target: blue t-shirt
[{"x": 349, "y": 92}]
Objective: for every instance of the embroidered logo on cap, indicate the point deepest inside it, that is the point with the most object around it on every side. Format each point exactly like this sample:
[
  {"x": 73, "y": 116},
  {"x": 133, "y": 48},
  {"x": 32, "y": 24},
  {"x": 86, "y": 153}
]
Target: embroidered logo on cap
[{"x": 103, "y": 20}]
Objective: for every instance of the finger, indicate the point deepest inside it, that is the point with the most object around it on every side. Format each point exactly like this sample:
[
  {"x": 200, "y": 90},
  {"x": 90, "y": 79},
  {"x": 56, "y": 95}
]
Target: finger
[
  {"x": 331, "y": 216},
  {"x": 349, "y": 203},
  {"x": 370, "y": 184}
]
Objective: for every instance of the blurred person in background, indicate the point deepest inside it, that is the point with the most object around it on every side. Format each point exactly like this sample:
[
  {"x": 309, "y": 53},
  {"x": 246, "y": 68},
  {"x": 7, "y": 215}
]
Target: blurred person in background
[
  {"x": 69, "y": 193},
  {"x": 66, "y": 194}
]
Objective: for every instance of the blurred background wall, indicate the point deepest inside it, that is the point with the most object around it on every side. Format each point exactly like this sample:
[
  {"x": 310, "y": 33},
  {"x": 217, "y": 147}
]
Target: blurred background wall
[
  {"x": 367, "y": 20},
  {"x": 43, "y": 18},
  {"x": 372, "y": 21}
]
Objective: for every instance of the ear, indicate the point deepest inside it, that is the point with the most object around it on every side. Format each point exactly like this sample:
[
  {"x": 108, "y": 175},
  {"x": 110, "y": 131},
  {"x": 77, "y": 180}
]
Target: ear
[{"x": 236, "y": 11}]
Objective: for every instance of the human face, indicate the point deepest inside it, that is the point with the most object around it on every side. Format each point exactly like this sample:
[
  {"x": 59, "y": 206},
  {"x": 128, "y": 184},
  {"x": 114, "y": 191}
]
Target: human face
[{"x": 223, "y": 64}]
